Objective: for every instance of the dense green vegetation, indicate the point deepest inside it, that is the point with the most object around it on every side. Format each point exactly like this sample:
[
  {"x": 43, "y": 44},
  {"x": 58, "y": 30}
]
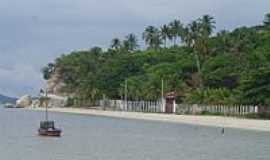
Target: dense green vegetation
[{"x": 228, "y": 67}]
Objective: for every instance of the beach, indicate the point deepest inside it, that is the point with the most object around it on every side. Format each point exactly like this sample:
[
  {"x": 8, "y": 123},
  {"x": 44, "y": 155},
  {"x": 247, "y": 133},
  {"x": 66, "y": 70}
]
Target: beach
[{"x": 214, "y": 121}]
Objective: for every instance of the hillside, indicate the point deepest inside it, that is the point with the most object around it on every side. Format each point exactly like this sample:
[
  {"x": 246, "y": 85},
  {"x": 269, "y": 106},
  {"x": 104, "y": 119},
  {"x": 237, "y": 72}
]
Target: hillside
[
  {"x": 201, "y": 67},
  {"x": 5, "y": 99}
]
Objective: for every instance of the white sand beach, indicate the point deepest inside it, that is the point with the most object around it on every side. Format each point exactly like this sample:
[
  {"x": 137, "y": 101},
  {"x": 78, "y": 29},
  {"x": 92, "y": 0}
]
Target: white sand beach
[{"x": 228, "y": 122}]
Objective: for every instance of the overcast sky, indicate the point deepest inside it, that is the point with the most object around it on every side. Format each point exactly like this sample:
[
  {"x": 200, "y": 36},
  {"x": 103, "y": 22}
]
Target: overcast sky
[{"x": 35, "y": 32}]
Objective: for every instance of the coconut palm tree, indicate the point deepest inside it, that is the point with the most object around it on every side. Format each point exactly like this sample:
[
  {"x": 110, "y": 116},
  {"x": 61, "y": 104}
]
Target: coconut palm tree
[
  {"x": 176, "y": 28},
  {"x": 207, "y": 25},
  {"x": 200, "y": 32},
  {"x": 197, "y": 35},
  {"x": 165, "y": 34},
  {"x": 224, "y": 42},
  {"x": 152, "y": 37},
  {"x": 186, "y": 37},
  {"x": 131, "y": 42},
  {"x": 96, "y": 51},
  {"x": 116, "y": 43},
  {"x": 191, "y": 34}
]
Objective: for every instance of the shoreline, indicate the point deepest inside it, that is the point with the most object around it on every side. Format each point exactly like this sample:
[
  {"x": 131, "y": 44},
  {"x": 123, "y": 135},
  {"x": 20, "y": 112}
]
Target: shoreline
[{"x": 212, "y": 121}]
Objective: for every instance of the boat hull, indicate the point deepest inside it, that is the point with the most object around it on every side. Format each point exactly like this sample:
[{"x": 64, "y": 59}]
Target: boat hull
[{"x": 50, "y": 133}]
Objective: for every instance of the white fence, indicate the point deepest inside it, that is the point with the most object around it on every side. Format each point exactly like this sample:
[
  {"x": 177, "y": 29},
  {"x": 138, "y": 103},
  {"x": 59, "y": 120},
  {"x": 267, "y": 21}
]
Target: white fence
[
  {"x": 159, "y": 107},
  {"x": 132, "y": 106},
  {"x": 216, "y": 109}
]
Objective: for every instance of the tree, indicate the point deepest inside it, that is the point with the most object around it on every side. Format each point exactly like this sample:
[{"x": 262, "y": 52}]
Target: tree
[
  {"x": 243, "y": 39},
  {"x": 96, "y": 51},
  {"x": 191, "y": 34},
  {"x": 152, "y": 37},
  {"x": 186, "y": 38},
  {"x": 131, "y": 42},
  {"x": 116, "y": 43},
  {"x": 199, "y": 33},
  {"x": 211, "y": 96},
  {"x": 165, "y": 34},
  {"x": 232, "y": 67},
  {"x": 256, "y": 87},
  {"x": 221, "y": 71},
  {"x": 116, "y": 70},
  {"x": 222, "y": 42},
  {"x": 176, "y": 28},
  {"x": 170, "y": 72},
  {"x": 266, "y": 21},
  {"x": 48, "y": 71},
  {"x": 207, "y": 25}
]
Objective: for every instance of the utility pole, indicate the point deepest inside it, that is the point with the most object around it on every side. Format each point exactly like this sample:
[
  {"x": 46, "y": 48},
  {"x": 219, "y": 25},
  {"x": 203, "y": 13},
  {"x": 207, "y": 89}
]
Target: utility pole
[
  {"x": 162, "y": 89},
  {"x": 126, "y": 90},
  {"x": 162, "y": 93}
]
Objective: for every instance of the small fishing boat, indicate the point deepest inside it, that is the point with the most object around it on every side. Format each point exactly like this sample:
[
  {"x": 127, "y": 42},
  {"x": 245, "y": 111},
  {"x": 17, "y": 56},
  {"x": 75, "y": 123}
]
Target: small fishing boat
[{"x": 47, "y": 128}]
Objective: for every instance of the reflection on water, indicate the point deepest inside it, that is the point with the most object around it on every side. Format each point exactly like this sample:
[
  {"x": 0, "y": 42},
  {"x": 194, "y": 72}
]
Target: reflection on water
[{"x": 101, "y": 138}]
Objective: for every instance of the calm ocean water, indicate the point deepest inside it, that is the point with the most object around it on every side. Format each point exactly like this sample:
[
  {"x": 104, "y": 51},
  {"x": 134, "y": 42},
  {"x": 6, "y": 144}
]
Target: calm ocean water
[{"x": 101, "y": 138}]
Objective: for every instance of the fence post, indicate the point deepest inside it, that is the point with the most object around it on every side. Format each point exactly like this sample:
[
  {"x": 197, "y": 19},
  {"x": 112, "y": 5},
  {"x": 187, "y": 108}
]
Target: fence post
[{"x": 174, "y": 106}]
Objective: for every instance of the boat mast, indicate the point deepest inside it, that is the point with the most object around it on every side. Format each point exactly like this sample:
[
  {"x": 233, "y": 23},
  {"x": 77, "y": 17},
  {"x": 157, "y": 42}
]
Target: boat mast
[{"x": 46, "y": 105}]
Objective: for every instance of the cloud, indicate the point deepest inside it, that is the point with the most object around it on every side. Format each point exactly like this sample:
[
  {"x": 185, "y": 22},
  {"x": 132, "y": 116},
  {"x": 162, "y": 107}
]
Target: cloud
[{"x": 21, "y": 79}]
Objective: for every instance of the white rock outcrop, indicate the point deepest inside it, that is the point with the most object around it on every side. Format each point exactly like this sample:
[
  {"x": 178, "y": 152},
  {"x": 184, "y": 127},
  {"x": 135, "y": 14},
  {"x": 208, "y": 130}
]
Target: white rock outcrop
[
  {"x": 55, "y": 101},
  {"x": 24, "y": 101}
]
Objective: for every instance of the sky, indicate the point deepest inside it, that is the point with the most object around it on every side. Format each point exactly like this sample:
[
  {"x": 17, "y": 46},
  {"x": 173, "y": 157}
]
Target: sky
[{"x": 35, "y": 32}]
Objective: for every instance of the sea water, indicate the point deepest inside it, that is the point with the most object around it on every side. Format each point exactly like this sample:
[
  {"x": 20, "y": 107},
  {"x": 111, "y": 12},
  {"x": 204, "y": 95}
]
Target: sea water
[{"x": 101, "y": 138}]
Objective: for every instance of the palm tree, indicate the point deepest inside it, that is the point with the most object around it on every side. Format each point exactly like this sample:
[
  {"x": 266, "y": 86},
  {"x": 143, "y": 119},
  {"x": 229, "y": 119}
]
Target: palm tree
[
  {"x": 48, "y": 71},
  {"x": 208, "y": 24},
  {"x": 190, "y": 34},
  {"x": 96, "y": 51},
  {"x": 131, "y": 42},
  {"x": 176, "y": 28},
  {"x": 242, "y": 40},
  {"x": 165, "y": 34},
  {"x": 223, "y": 40},
  {"x": 197, "y": 36},
  {"x": 186, "y": 37},
  {"x": 201, "y": 31},
  {"x": 266, "y": 21},
  {"x": 116, "y": 43},
  {"x": 193, "y": 33},
  {"x": 152, "y": 37}
]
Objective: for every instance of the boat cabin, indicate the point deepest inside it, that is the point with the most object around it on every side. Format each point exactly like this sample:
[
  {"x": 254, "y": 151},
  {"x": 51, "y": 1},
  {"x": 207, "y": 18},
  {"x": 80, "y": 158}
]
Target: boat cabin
[{"x": 47, "y": 124}]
